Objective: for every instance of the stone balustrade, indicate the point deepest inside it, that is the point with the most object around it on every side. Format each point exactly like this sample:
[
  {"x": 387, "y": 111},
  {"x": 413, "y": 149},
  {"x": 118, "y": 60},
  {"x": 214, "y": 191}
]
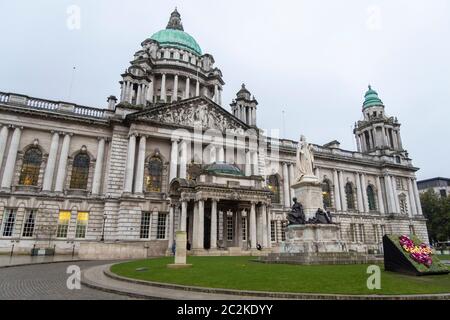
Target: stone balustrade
[{"x": 36, "y": 103}]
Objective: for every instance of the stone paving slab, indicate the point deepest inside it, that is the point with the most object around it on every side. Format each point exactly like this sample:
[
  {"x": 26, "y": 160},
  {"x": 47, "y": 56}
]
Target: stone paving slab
[{"x": 100, "y": 277}]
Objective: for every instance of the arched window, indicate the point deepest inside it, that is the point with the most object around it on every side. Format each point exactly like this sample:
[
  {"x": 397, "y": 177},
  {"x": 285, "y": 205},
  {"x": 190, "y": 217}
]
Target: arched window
[
  {"x": 31, "y": 165},
  {"x": 350, "y": 196},
  {"x": 371, "y": 198},
  {"x": 273, "y": 184},
  {"x": 326, "y": 194},
  {"x": 154, "y": 177},
  {"x": 80, "y": 171}
]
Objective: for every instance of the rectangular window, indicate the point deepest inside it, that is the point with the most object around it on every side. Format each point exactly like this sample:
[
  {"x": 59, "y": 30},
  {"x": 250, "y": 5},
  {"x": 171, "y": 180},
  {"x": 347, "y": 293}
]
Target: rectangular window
[
  {"x": 161, "y": 227},
  {"x": 352, "y": 232},
  {"x": 362, "y": 233},
  {"x": 376, "y": 236},
  {"x": 244, "y": 228},
  {"x": 229, "y": 228},
  {"x": 145, "y": 225},
  {"x": 63, "y": 224},
  {"x": 82, "y": 221},
  {"x": 28, "y": 227},
  {"x": 9, "y": 219},
  {"x": 383, "y": 230},
  {"x": 273, "y": 230}
]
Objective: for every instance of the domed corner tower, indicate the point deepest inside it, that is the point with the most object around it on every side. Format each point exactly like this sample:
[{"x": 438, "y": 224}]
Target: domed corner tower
[
  {"x": 244, "y": 106},
  {"x": 377, "y": 133},
  {"x": 170, "y": 67}
]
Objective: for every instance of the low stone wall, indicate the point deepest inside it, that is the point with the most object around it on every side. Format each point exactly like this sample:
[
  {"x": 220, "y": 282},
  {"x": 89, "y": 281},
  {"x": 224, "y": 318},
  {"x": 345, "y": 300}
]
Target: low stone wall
[
  {"x": 322, "y": 258},
  {"x": 121, "y": 250}
]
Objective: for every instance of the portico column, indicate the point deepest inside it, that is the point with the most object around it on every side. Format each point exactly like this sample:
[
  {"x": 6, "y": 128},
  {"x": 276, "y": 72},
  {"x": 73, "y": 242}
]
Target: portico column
[
  {"x": 130, "y": 92},
  {"x": 416, "y": 193},
  {"x": 171, "y": 208},
  {"x": 175, "y": 89},
  {"x": 98, "y": 166},
  {"x": 287, "y": 201},
  {"x": 11, "y": 159},
  {"x": 150, "y": 91},
  {"x": 62, "y": 167},
  {"x": 129, "y": 173},
  {"x": 337, "y": 191},
  {"x": 187, "y": 90},
  {"x": 173, "y": 160},
  {"x": 343, "y": 195},
  {"x": 380, "y": 196},
  {"x": 269, "y": 241},
  {"x": 253, "y": 226},
  {"x": 163, "y": 87},
  {"x": 412, "y": 200},
  {"x": 389, "y": 194},
  {"x": 197, "y": 88},
  {"x": 3, "y": 139},
  {"x": 183, "y": 215},
  {"x": 359, "y": 193},
  {"x": 139, "y": 183},
  {"x": 364, "y": 192},
  {"x": 183, "y": 160},
  {"x": 264, "y": 225},
  {"x": 139, "y": 93},
  {"x": 291, "y": 180},
  {"x": 199, "y": 218},
  {"x": 248, "y": 164},
  {"x": 51, "y": 162},
  {"x": 216, "y": 93},
  {"x": 213, "y": 224}
]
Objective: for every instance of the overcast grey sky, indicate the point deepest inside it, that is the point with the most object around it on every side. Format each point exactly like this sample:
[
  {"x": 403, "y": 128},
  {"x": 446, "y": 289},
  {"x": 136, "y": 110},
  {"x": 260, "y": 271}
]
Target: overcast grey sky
[{"x": 312, "y": 59}]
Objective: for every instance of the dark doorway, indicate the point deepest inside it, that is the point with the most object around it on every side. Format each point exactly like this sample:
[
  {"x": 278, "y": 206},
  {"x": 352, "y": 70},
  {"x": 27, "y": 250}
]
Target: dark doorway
[{"x": 207, "y": 230}]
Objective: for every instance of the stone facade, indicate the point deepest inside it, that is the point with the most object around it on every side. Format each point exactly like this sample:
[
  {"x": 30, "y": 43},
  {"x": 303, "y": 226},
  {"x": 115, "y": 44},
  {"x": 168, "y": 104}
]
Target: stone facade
[{"x": 167, "y": 156}]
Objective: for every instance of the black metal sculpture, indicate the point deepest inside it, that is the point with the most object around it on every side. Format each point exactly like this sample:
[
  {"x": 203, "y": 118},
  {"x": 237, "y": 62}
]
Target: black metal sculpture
[
  {"x": 297, "y": 215},
  {"x": 321, "y": 217}
]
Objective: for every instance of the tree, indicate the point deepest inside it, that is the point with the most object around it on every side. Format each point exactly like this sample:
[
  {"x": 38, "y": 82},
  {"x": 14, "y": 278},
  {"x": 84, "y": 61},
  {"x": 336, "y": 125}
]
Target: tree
[{"x": 436, "y": 210}]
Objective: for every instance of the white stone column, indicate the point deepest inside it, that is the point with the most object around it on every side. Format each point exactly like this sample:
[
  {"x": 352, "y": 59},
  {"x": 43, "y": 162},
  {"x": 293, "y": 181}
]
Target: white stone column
[
  {"x": 291, "y": 181},
  {"x": 213, "y": 236},
  {"x": 255, "y": 163},
  {"x": 212, "y": 154},
  {"x": 199, "y": 221},
  {"x": 3, "y": 139},
  {"x": 173, "y": 160},
  {"x": 337, "y": 192},
  {"x": 151, "y": 90},
  {"x": 129, "y": 173},
  {"x": 389, "y": 194},
  {"x": 175, "y": 89},
  {"x": 395, "y": 194},
  {"x": 220, "y": 96},
  {"x": 264, "y": 225},
  {"x": 364, "y": 192},
  {"x": 8, "y": 174},
  {"x": 187, "y": 91},
  {"x": 183, "y": 215},
  {"x": 380, "y": 196},
  {"x": 163, "y": 87},
  {"x": 412, "y": 200},
  {"x": 183, "y": 159},
  {"x": 343, "y": 194},
  {"x": 62, "y": 166},
  {"x": 195, "y": 225},
  {"x": 140, "y": 168},
  {"x": 171, "y": 209},
  {"x": 220, "y": 154},
  {"x": 287, "y": 201},
  {"x": 216, "y": 93},
  {"x": 358, "y": 143},
  {"x": 359, "y": 191},
  {"x": 96, "y": 183},
  {"x": 248, "y": 163},
  {"x": 51, "y": 163},
  {"x": 130, "y": 92},
  {"x": 139, "y": 93},
  {"x": 253, "y": 226},
  {"x": 197, "y": 88},
  {"x": 417, "y": 196},
  {"x": 269, "y": 241}
]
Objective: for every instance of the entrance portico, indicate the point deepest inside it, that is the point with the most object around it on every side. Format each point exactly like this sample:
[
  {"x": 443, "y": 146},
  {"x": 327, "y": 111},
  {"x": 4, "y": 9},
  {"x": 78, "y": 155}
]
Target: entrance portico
[{"x": 223, "y": 212}]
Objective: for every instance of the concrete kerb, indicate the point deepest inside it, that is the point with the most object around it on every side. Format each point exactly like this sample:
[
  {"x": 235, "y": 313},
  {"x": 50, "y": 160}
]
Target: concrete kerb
[
  {"x": 271, "y": 295},
  {"x": 39, "y": 263}
]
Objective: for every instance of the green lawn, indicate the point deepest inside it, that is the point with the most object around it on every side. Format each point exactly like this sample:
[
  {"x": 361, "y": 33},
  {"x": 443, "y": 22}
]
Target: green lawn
[
  {"x": 241, "y": 273},
  {"x": 443, "y": 256}
]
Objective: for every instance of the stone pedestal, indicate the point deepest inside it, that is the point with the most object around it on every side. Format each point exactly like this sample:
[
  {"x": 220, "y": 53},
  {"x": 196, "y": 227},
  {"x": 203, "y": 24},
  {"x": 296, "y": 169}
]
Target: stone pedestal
[
  {"x": 180, "y": 251},
  {"x": 308, "y": 192},
  {"x": 312, "y": 238}
]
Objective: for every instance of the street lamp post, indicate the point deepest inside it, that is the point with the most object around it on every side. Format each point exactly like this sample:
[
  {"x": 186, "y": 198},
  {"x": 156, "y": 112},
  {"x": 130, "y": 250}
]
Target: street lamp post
[{"x": 103, "y": 231}]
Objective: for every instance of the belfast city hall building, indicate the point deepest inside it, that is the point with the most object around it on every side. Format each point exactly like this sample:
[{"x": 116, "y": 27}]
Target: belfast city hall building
[{"x": 167, "y": 154}]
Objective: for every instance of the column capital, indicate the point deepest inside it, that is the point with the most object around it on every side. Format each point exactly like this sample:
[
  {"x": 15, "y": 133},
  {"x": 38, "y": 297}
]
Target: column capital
[
  {"x": 134, "y": 133},
  {"x": 102, "y": 138},
  {"x": 13, "y": 126},
  {"x": 175, "y": 139}
]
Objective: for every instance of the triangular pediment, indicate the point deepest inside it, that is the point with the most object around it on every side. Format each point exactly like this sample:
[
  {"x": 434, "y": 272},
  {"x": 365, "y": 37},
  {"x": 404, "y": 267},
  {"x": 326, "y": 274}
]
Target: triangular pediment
[{"x": 194, "y": 112}]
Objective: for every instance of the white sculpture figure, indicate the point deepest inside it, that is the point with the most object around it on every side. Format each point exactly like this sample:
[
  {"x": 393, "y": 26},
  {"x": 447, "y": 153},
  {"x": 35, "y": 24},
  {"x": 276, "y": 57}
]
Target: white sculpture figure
[{"x": 305, "y": 159}]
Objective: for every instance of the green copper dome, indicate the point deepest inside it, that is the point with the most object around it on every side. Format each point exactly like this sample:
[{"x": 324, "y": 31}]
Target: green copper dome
[
  {"x": 224, "y": 168},
  {"x": 175, "y": 36},
  {"x": 371, "y": 99}
]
